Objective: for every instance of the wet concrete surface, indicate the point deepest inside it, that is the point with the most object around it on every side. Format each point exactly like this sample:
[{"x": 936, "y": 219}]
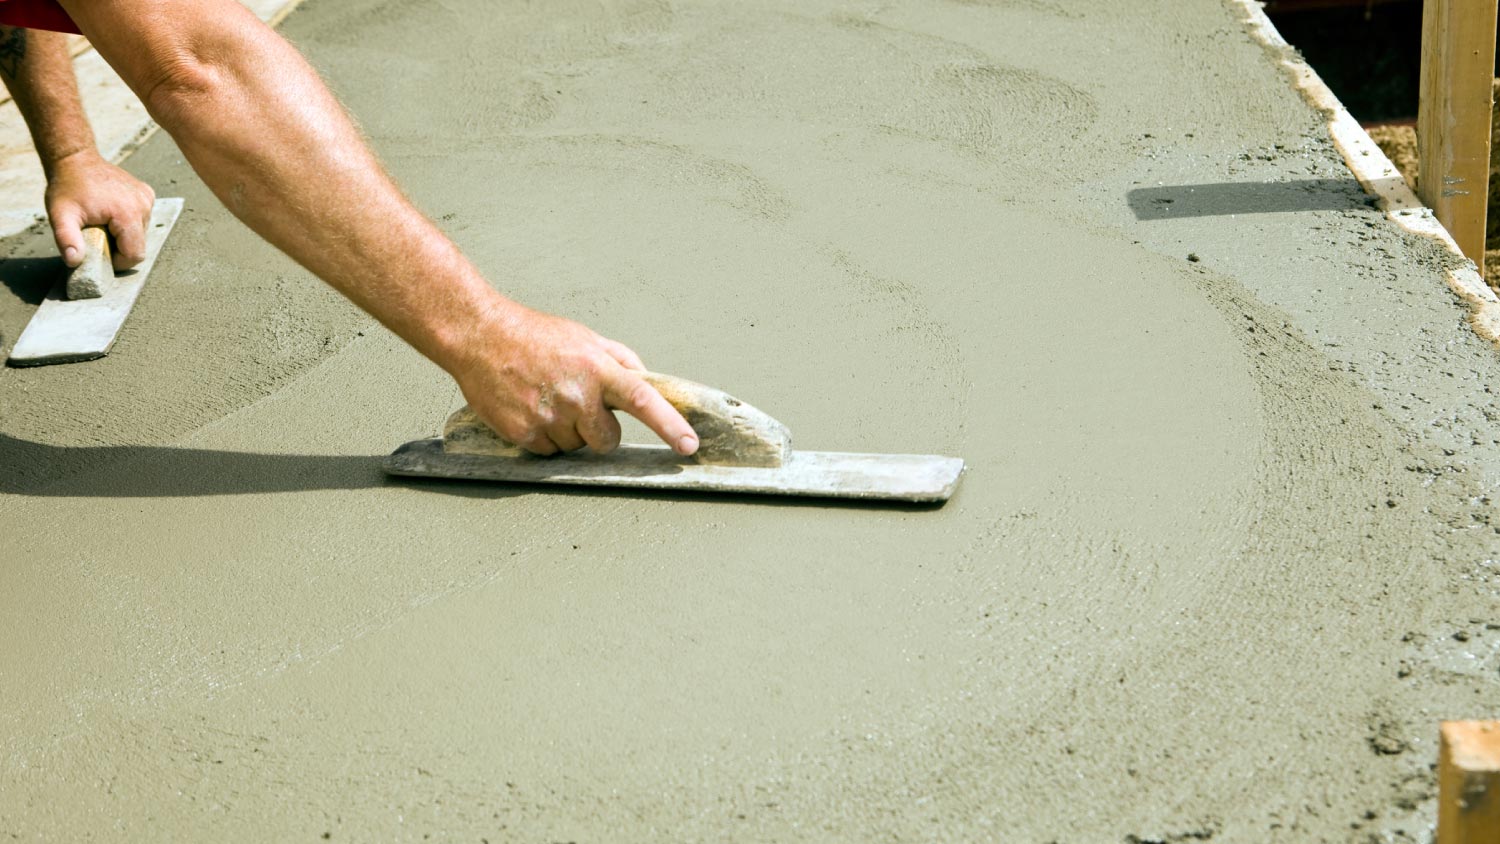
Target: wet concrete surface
[{"x": 1222, "y": 559}]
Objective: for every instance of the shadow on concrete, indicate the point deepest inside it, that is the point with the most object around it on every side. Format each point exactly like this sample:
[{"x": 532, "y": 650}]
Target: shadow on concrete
[
  {"x": 29, "y": 279},
  {"x": 1225, "y": 198},
  {"x": 132, "y": 471}
]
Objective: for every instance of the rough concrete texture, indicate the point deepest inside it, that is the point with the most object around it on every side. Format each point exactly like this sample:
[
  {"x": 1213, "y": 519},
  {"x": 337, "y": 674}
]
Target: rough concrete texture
[{"x": 1223, "y": 557}]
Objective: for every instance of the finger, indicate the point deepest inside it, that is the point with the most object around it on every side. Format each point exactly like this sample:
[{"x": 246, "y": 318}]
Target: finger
[
  {"x": 539, "y": 444},
  {"x": 623, "y": 354},
  {"x": 67, "y": 229},
  {"x": 630, "y": 393},
  {"x": 514, "y": 432},
  {"x": 565, "y": 437},
  {"x": 600, "y": 430},
  {"x": 130, "y": 242}
]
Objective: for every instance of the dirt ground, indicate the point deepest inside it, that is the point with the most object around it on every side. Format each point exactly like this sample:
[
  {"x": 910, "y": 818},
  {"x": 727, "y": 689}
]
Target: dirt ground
[{"x": 1224, "y": 555}]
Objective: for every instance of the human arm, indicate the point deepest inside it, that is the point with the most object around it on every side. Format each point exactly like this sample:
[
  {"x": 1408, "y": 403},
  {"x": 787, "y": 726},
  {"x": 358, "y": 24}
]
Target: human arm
[
  {"x": 265, "y": 134},
  {"x": 82, "y": 188}
]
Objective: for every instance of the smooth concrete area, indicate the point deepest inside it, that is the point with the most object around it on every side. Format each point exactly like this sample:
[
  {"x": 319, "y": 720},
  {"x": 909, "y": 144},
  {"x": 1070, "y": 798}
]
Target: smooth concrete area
[{"x": 1222, "y": 560}]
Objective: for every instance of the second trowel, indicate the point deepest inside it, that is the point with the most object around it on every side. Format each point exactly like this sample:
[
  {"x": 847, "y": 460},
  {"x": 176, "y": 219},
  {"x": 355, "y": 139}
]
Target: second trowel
[{"x": 84, "y": 312}]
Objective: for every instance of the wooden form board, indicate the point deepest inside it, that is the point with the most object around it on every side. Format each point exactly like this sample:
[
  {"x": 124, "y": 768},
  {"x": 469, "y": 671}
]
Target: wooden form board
[
  {"x": 1453, "y": 121},
  {"x": 1469, "y": 783}
]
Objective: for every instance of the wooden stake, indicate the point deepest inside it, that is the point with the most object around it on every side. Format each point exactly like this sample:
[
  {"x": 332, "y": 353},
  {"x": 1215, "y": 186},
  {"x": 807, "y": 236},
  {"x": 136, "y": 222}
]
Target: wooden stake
[
  {"x": 1469, "y": 782},
  {"x": 1453, "y": 118}
]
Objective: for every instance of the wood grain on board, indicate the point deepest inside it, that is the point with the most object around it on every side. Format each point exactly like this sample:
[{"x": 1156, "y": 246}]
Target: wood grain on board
[
  {"x": 1469, "y": 783},
  {"x": 1453, "y": 120}
]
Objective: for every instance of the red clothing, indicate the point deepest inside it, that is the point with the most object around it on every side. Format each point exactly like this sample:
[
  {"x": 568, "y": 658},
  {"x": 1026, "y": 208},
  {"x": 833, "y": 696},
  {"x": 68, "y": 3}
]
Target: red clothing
[{"x": 36, "y": 14}]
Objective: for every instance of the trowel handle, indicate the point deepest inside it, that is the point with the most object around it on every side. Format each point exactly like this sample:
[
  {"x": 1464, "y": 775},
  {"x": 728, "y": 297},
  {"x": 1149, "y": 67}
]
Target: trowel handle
[
  {"x": 683, "y": 394},
  {"x": 730, "y": 432},
  {"x": 88, "y": 279},
  {"x": 95, "y": 243}
]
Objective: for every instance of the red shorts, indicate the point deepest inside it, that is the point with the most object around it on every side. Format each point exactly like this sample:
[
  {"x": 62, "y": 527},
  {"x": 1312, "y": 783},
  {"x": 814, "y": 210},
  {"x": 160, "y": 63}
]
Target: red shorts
[{"x": 36, "y": 14}]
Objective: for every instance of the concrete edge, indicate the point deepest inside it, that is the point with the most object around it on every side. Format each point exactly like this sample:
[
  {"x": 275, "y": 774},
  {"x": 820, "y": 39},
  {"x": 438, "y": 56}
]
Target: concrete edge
[
  {"x": 120, "y": 124},
  {"x": 1375, "y": 172}
]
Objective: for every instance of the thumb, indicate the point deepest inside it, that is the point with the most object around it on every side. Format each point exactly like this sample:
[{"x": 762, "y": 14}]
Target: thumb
[{"x": 67, "y": 228}]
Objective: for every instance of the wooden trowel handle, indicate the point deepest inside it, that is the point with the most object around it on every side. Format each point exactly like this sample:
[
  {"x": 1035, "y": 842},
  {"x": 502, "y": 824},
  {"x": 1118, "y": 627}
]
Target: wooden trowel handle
[
  {"x": 89, "y": 278},
  {"x": 730, "y": 432}
]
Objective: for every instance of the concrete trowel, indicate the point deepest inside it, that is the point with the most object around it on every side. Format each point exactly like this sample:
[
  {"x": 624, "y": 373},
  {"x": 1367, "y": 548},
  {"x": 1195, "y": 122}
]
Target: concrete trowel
[
  {"x": 741, "y": 450},
  {"x": 82, "y": 315}
]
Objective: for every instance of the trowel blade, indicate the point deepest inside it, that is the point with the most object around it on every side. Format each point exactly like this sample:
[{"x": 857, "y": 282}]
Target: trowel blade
[
  {"x": 821, "y": 474},
  {"x": 67, "y": 331}
]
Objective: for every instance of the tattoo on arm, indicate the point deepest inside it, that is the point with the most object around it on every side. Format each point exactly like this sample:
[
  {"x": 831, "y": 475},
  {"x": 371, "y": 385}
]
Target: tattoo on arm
[{"x": 12, "y": 50}]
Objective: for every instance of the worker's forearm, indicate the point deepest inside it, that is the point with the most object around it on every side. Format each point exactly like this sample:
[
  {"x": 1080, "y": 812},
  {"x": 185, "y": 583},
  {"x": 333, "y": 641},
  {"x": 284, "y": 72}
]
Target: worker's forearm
[
  {"x": 303, "y": 179},
  {"x": 38, "y": 72},
  {"x": 268, "y": 138}
]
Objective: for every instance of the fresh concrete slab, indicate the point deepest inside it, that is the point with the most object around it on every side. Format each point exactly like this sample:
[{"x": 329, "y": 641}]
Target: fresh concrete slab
[{"x": 1223, "y": 555}]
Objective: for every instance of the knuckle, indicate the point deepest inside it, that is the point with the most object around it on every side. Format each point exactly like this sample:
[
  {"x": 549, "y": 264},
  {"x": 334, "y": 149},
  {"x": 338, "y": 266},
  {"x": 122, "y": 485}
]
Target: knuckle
[
  {"x": 542, "y": 408},
  {"x": 589, "y": 427},
  {"x": 640, "y": 396},
  {"x": 564, "y": 437},
  {"x": 574, "y": 398},
  {"x": 506, "y": 426},
  {"x": 590, "y": 369},
  {"x": 538, "y": 444}
]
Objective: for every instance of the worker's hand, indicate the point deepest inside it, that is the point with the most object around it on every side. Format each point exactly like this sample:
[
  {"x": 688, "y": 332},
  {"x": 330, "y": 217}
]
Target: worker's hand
[
  {"x": 549, "y": 384},
  {"x": 86, "y": 190}
]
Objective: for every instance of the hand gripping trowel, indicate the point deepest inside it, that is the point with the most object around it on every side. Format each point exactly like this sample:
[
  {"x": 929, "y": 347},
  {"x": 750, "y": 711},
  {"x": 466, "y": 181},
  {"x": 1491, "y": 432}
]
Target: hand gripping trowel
[
  {"x": 82, "y": 315},
  {"x": 740, "y": 450}
]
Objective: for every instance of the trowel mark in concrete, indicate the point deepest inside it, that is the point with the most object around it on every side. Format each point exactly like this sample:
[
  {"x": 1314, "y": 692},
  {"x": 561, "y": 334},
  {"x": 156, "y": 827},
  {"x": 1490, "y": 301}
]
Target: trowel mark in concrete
[
  {"x": 660, "y": 164},
  {"x": 670, "y": 166},
  {"x": 640, "y": 23},
  {"x": 1024, "y": 102},
  {"x": 929, "y": 363},
  {"x": 1307, "y": 537},
  {"x": 974, "y": 100},
  {"x": 936, "y": 88},
  {"x": 517, "y": 75},
  {"x": 995, "y": 111},
  {"x": 392, "y": 20}
]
